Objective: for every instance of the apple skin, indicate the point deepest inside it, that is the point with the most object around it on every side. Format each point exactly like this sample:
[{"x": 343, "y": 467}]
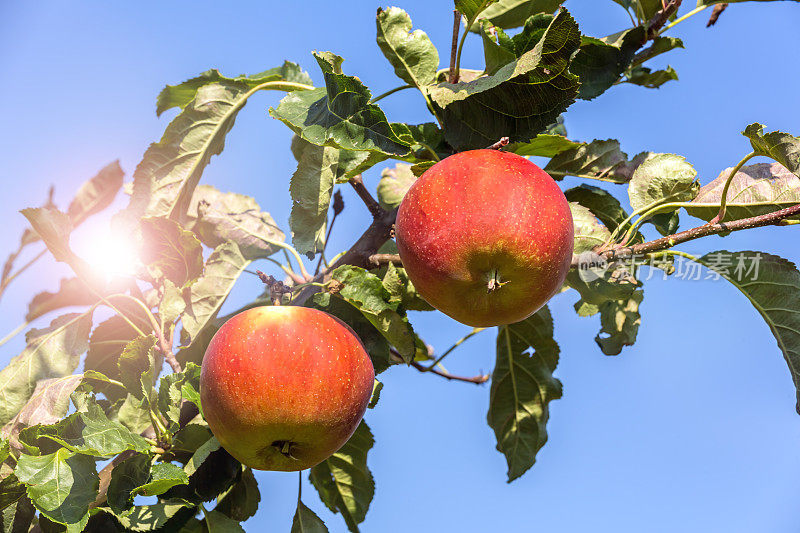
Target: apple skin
[
  {"x": 479, "y": 215},
  {"x": 284, "y": 387}
]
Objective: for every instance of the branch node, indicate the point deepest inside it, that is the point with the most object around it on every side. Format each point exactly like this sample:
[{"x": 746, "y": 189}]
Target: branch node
[{"x": 499, "y": 144}]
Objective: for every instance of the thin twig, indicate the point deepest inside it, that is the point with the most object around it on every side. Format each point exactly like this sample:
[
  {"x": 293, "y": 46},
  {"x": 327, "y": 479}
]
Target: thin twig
[
  {"x": 372, "y": 204},
  {"x": 661, "y": 18},
  {"x": 452, "y": 78},
  {"x": 385, "y": 259},
  {"x": 478, "y": 380},
  {"x": 499, "y": 144},
  {"x": 718, "y": 9}
]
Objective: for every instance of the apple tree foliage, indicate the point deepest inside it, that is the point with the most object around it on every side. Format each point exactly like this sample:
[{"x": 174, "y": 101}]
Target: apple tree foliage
[{"x": 77, "y": 448}]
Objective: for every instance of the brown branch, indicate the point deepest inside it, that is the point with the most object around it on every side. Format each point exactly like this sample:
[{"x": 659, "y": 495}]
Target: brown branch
[
  {"x": 499, "y": 144},
  {"x": 385, "y": 259},
  {"x": 477, "y": 380},
  {"x": 372, "y": 204},
  {"x": 661, "y": 18},
  {"x": 452, "y": 78},
  {"x": 664, "y": 243},
  {"x": 718, "y": 9},
  {"x": 338, "y": 207}
]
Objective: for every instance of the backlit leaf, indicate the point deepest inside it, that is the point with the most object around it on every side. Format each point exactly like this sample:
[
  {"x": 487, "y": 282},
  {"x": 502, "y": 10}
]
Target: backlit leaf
[
  {"x": 412, "y": 54},
  {"x": 780, "y": 146},
  {"x": 394, "y": 184},
  {"x": 96, "y": 194},
  {"x": 598, "y": 160},
  {"x": 619, "y": 321},
  {"x": 171, "y": 251},
  {"x": 306, "y": 521}
]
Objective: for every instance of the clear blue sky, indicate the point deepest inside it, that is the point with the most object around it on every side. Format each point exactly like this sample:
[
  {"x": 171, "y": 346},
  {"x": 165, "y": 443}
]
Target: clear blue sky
[{"x": 692, "y": 429}]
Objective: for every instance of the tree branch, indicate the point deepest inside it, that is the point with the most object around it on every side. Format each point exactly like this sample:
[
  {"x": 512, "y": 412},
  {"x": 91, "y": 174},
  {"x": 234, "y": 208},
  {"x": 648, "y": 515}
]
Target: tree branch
[
  {"x": 452, "y": 78},
  {"x": 664, "y": 243},
  {"x": 661, "y": 18},
  {"x": 718, "y": 9},
  {"x": 372, "y": 204},
  {"x": 385, "y": 259},
  {"x": 477, "y": 380}
]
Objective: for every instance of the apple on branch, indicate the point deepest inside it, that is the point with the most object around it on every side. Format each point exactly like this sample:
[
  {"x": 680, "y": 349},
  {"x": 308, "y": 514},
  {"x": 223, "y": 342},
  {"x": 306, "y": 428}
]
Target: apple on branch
[{"x": 486, "y": 237}]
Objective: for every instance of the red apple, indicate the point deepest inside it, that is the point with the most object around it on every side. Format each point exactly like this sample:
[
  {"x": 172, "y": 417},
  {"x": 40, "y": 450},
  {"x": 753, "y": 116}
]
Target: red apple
[
  {"x": 486, "y": 237},
  {"x": 283, "y": 388}
]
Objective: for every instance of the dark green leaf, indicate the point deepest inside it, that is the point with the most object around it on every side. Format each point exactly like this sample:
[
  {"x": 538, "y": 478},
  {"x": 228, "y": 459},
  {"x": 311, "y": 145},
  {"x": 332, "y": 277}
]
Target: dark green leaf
[
  {"x": 543, "y": 145},
  {"x": 11, "y": 491},
  {"x": 339, "y": 115},
  {"x": 343, "y": 480},
  {"x": 182, "y": 94},
  {"x": 412, "y": 54},
  {"x": 651, "y": 79},
  {"x": 189, "y": 438},
  {"x": 96, "y": 194},
  {"x": 598, "y": 160},
  {"x": 755, "y": 190},
  {"x": 306, "y": 521},
  {"x": 137, "y": 366},
  {"x": 110, "y": 337},
  {"x": 661, "y": 45},
  {"x": 171, "y": 251},
  {"x": 156, "y": 516},
  {"x": 619, "y": 320},
  {"x": 51, "y": 352},
  {"x": 217, "y": 522},
  {"x": 601, "y": 204},
  {"x": 513, "y": 13},
  {"x": 234, "y": 217},
  {"x": 61, "y": 485},
  {"x": 600, "y": 62},
  {"x": 394, "y": 184},
  {"x": 782, "y": 147},
  {"x": 520, "y": 100},
  {"x": 17, "y": 517},
  {"x": 522, "y": 388},
  {"x": 376, "y": 394},
  {"x": 126, "y": 477},
  {"x": 240, "y": 502},
  {"x": 202, "y": 453}
]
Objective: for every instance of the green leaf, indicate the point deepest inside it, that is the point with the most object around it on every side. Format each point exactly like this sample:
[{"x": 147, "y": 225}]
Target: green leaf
[
  {"x": 660, "y": 45},
  {"x": 126, "y": 477},
  {"x": 208, "y": 293},
  {"x": 543, "y": 145},
  {"x": 755, "y": 190},
  {"x": 217, "y": 522},
  {"x": 311, "y": 188},
  {"x": 53, "y": 227},
  {"x": 240, "y": 502},
  {"x": 412, "y": 54},
  {"x": 339, "y": 115},
  {"x": 605, "y": 283},
  {"x": 182, "y": 94},
  {"x": 662, "y": 178},
  {"x": 17, "y": 517},
  {"x": 376, "y": 394},
  {"x": 51, "y": 352},
  {"x": 189, "y": 438},
  {"x": 513, "y": 13},
  {"x": 374, "y": 342},
  {"x": 61, "y": 485},
  {"x": 600, "y": 62},
  {"x": 171, "y": 251},
  {"x": 772, "y": 284},
  {"x": 71, "y": 292},
  {"x": 651, "y": 79},
  {"x": 306, "y": 521},
  {"x": 96, "y": 194},
  {"x": 598, "y": 160},
  {"x": 234, "y": 217},
  {"x": 343, "y": 480},
  {"x": 137, "y": 366},
  {"x": 600, "y": 202},
  {"x": 402, "y": 290},
  {"x": 171, "y": 391},
  {"x": 472, "y": 8},
  {"x": 520, "y": 100},
  {"x": 86, "y": 432},
  {"x": 782, "y": 147},
  {"x": 619, "y": 321},
  {"x": 394, "y": 184},
  {"x": 589, "y": 232},
  {"x": 365, "y": 291},
  {"x": 156, "y": 516},
  {"x": 171, "y": 306},
  {"x": 11, "y": 491},
  {"x": 134, "y": 414},
  {"x": 110, "y": 337},
  {"x": 522, "y": 388},
  {"x": 202, "y": 453}
]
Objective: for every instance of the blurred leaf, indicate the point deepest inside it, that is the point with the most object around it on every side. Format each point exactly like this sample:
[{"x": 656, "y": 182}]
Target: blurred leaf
[
  {"x": 137, "y": 366},
  {"x": 71, "y": 292},
  {"x": 589, "y": 232},
  {"x": 153, "y": 517},
  {"x": 366, "y": 292},
  {"x": 412, "y": 54},
  {"x": 171, "y": 251},
  {"x": 51, "y": 352},
  {"x": 208, "y": 293},
  {"x": 394, "y": 184},
  {"x": 339, "y": 115},
  {"x": 520, "y": 100},
  {"x": 513, "y": 13},
  {"x": 311, "y": 187},
  {"x": 61, "y": 485},
  {"x": 53, "y": 227},
  {"x": 88, "y": 433},
  {"x": 240, "y": 502},
  {"x": 600, "y": 62},
  {"x": 522, "y": 387},
  {"x": 96, "y": 194},
  {"x": 772, "y": 284},
  {"x": 782, "y": 147},
  {"x": 755, "y": 190},
  {"x": 543, "y": 145},
  {"x": 598, "y": 160},
  {"x": 651, "y": 79},
  {"x": 619, "y": 321},
  {"x": 343, "y": 480},
  {"x": 374, "y": 342},
  {"x": 306, "y": 521},
  {"x": 182, "y": 94},
  {"x": 234, "y": 217}
]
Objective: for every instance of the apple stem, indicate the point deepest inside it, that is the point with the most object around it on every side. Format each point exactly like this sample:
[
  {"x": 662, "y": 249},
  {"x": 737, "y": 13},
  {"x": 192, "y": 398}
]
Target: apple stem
[{"x": 494, "y": 283}]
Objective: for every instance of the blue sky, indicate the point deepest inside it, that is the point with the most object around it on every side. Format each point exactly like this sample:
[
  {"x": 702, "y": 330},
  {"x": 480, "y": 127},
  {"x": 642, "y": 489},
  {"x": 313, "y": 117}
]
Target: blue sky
[{"x": 692, "y": 429}]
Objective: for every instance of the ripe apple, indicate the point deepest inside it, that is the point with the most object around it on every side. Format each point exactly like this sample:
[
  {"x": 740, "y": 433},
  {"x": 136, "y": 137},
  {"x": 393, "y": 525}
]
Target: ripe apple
[
  {"x": 485, "y": 236},
  {"x": 283, "y": 388}
]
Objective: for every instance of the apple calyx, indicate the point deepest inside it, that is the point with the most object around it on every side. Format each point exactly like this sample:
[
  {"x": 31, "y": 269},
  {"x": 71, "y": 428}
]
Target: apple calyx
[
  {"x": 494, "y": 282},
  {"x": 285, "y": 448}
]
